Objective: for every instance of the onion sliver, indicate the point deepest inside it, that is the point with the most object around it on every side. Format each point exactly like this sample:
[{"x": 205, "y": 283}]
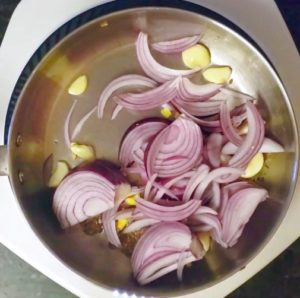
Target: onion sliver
[
  {"x": 214, "y": 146},
  {"x": 253, "y": 140},
  {"x": 238, "y": 211},
  {"x": 227, "y": 126},
  {"x": 67, "y": 124},
  {"x": 151, "y": 67},
  {"x": 138, "y": 135},
  {"x": 167, "y": 213},
  {"x": 131, "y": 80},
  {"x": 109, "y": 227},
  {"x": 140, "y": 224},
  {"x": 176, "y": 45},
  {"x": 190, "y": 92},
  {"x": 175, "y": 150},
  {"x": 149, "y": 99}
]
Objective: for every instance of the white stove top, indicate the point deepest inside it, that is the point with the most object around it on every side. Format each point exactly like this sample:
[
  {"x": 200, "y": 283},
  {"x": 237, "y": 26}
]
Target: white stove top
[{"x": 260, "y": 19}]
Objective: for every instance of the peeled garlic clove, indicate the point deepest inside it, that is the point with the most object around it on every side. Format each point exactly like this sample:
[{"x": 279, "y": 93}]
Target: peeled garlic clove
[
  {"x": 78, "y": 86},
  {"x": 60, "y": 172},
  {"x": 205, "y": 240},
  {"x": 254, "y": 166},
  {"x": 197, "y": 56},
  {"x": 85, "y": 152},
  {"x": 122, "y": 224},
  {"x": 217, "y": 74}
]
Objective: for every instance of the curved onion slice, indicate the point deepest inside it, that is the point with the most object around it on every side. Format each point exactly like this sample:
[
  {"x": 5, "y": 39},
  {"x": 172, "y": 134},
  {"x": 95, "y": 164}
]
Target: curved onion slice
[
  {"x": 230, "y": 189},
  {"x": 213, "y": 197},
  {"x": 214, "y": 146},
  {"x": 253, "y": 140},
  {"x": 87, "y": 192},
  {"x": 160, "y": 241},
  {"x": 227, "y": 126},
  {"x": 67, "y": 124},
  {"x": 176, "y": 45},
  {"x": 219, "y": 175},
  {"x": 175, "y": 150},
  {"x": 238, "y": 211},
  {"x": 109, "y": 227},
  {"x": 140, "y": 224},
  {"x": 190, "y": 92},
  {"x": 167, "y": 213},
  {"x": 268, "y": 146},
  {"x": 81, "y": 122},
  {"x": 151, "y": 67},
  {"x": 137, "y": 136},
  {"x": 121, "y": 82},
  {"x": 149, "y": 99}
]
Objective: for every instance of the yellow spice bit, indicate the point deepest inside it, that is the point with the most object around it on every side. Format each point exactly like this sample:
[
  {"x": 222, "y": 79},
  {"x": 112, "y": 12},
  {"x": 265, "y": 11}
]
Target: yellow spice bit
[
  {"x": 166, "y": 112},
  {"x": 254, "y": 166},
  {"x": 121, "y": 224},
  {"x": 59, "y": 173},
  {"x": 130, "y": 201},
  {"x": 217, "y": 74},
  {"x": 84, "y": 152},
  {"x": 204, "y": 238},
  {"x": 78, "y": 86},
  {"x": 197, "y": 56}
]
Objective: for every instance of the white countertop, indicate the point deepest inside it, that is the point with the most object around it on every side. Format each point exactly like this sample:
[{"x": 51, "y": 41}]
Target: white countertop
[{"x": 24, "y": 32}]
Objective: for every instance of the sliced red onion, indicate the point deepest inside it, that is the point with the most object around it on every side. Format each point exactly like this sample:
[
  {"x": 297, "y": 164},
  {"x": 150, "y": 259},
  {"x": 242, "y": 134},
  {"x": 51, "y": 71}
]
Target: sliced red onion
[
  {"x": 125, "y": 213},
  {"x": 116, "y": 112},
  {"x": 177, "y": 45},
  {"x": 195, "y": 180},
  {"x": 238, "y": 212},
  {"x": 213, "y": 198},
  {"x": 219, "y": 175},
  {"x": 268, "y": 146},
  {"x": 109, "y": 227},
  {"x": 214, "y": 146},
  {"x": 167, "y": 213},
  {"x": 67, "y": 124},
  {"x": 182, "y": 261},
  {"x": 228, "y": 129},
  {"x": 253, "y": 140},
  {"x": 151, "y": 67},
  {"x": 236, "y": 94},
  {"x": 190, "y": 92},
  {"x": 175, "y": 150},
  {"x": 199, "y": 108},
  {"x": 87, "y": 192},
  {"x": 140, "y": 224},
  {"x": 137, "y": 136},
  {"x": 230, "y": 189},
  {"x": 215, "y": 124},
  {"x": 149, "y": 186},
  {"x": 81, "y": 123},
  {"x": 131, "y": 80},
  {"x": 149, "y": 99}
]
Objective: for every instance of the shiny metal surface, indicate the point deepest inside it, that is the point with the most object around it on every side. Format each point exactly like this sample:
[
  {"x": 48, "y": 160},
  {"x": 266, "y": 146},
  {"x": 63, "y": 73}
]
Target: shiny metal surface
[
  {"x": 3, "y": 161},
  {"x": 104, "y": 53}
]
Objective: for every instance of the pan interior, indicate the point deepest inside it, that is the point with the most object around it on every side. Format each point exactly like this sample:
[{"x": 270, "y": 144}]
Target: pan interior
[{"x": 103, "y": 50}]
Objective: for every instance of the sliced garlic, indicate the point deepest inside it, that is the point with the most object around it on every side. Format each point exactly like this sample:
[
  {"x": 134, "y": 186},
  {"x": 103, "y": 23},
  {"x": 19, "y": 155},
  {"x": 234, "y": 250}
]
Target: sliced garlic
[
  {"x": 78, "y": 86},
  {"x": 254, "y": 166},
  {"x": 59, "y": 173},
  {"x": 166, "y": 112},
  {"x": 85, "y": 152},
  {"x": 205, "y": 240},
  {"x": 217, "y": 74},
  {"x": 130, "y": 201},
  {"x": 197, "y": 56}
]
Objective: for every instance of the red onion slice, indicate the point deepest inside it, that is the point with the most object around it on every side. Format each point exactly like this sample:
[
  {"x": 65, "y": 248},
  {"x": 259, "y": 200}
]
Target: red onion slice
[
  {"x": 228, "y": 129},
  {"x": 167, "y": 213},
  {"x": 149, "y": 99},
  {"x": 137, "y": 136},
  {"x": 151, "y": 67},
  {"x": 253, "y": 140},
  {"x": 268, "y": 146},
  {"x": 190, "y": 92},
  {"x": 109, "y": 227},
  {"x": 219, "y": 175},
  {"x": 131, "y": 80},
  {"x": 214, "y": 147},
  {"x": 67, "y": 124},
  {"x": 177, "y": 45},
  {"x": 116, "y": 112},
  {"x": 238, "y": 212},
  {"x": 81, "y": 123},
  {"x": 140, "y": 224},
  {"x": 175, "y": 150}
]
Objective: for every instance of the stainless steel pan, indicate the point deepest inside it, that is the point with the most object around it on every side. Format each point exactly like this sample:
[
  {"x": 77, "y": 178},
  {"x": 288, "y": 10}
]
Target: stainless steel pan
[{"x": 102, "y": 47}]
